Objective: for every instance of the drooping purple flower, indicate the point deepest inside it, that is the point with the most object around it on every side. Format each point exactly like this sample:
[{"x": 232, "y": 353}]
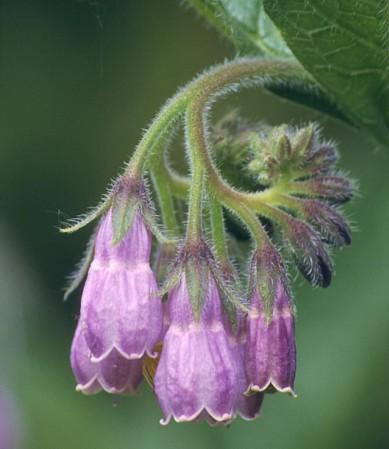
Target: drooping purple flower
[
  {"x": 115, "y": 374},
  {"x": 270, "y": 347},
  {"x": 197, "y": 376},
  {"x": 121, "y": 316}
]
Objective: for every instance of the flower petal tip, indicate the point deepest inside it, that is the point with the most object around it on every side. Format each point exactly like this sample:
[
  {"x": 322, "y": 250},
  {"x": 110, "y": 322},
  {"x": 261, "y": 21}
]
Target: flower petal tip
[
  {"x": 270, "y": 387},
  {"x": 107, "y": 353}
]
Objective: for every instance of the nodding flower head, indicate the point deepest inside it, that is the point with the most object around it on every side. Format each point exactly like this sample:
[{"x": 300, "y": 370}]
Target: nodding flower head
[
  {"x": 199, "y": 375},
  {"x": 270, "y": 354},
  {"x": 121, "y": 314}
]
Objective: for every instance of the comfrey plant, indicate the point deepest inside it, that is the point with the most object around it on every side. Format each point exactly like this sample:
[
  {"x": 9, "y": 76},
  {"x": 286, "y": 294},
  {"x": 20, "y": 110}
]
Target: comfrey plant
[{"x": 213, "y": 338}]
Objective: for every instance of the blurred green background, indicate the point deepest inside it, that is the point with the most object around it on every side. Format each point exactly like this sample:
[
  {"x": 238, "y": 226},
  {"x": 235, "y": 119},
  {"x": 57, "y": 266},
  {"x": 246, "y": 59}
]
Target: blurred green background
[{"x": 79, "y": 81}]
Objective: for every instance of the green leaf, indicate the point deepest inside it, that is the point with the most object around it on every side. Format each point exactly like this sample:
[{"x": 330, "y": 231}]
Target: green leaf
[
  {"x": 344, "y": 45},
  {"x": 245, "y": 23}
]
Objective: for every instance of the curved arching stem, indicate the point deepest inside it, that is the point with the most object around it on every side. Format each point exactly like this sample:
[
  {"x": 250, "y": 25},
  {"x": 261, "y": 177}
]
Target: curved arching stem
[
  {"x": 217, "y": 80},
  {"x": 195, "y": 99}
]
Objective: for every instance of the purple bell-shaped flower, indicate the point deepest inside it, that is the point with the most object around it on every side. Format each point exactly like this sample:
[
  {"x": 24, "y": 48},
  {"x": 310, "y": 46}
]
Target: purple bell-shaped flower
[
  {"x": 121, "y": 316},
  {"x": 198, "y": 376},
  {"x": 270, "y": 347}
]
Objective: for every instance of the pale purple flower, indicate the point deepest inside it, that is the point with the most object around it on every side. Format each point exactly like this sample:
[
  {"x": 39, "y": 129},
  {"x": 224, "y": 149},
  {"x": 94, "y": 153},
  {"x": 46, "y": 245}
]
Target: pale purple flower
[
  {"x": 270, "y": 346},
  {"x": 198, "y": 376},
  {"x": 121, "y": 315}
]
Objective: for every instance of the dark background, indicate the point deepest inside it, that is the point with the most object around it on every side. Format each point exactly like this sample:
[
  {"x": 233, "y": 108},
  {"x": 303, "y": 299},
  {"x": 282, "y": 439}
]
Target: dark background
[{"x": 79, "y": 81}]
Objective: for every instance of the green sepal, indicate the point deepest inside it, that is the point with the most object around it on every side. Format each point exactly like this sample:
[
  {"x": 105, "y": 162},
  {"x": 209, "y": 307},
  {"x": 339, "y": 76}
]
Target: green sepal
[
  {"x": 231, "y": 297},
  {"x": 171, "y": 281},
  {"x": 261, "y": 280},
  {"x": 283, "y": 147},
  {"x": 81, "y": 270},
  {"x": 267, "y": 290},
  {"x": 152, "y": 223},
  {"x": 124, "y": 208},
  {"x": 165, "y": 257},
  {"x": 78, "y": 223},
  {"x": 302, "y": 141},
  {"x": 267, "y": 270},
  {"x": 197, "y": 280}
]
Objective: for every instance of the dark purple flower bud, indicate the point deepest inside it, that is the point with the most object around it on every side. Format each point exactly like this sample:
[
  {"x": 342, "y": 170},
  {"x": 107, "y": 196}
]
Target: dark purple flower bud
[
  {"x": 322, "y": 160},
  {"x": 328, "y": 221},
  {"x": 164, "y": 259},
  {"x": 119, "y": 307},
  {"x": 335, "y": 189},
  {"x": 270, "y": 347},
  {"x": 114, "y": 374},
  {"x": 197, "y": 376},
  {"x": 309, "y": 252}
]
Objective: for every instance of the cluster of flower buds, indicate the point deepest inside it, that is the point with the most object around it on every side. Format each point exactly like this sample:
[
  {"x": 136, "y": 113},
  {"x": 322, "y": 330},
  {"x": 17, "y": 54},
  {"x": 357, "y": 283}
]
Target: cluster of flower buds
[
  {"x": 299, "y": 169},
  {"x": 208, "y": 353}
]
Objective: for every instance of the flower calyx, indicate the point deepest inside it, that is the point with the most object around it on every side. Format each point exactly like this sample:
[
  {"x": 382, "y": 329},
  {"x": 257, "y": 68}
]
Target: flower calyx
[
  {"x": 267, "y": 271},
  {"x": 197, "y": 263}
]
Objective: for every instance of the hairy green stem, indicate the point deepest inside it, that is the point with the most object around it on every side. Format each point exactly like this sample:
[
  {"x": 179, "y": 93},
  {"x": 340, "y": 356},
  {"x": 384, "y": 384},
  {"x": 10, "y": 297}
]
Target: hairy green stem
[
  {"x": 256, "y": 70},
  {"x": 195, "y": 98},
  {"x": 218, "y": 229},
  {"x": 194, "y": 226},
  {"x": 162, "y": 186},
  {"x": 247, "y": 216},
  {"x": 160, "y": 128},
  {"x": 161, "y": 178}
]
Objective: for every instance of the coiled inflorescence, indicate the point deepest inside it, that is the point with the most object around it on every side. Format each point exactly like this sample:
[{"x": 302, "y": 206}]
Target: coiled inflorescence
[{"x": 209, "y": 347}]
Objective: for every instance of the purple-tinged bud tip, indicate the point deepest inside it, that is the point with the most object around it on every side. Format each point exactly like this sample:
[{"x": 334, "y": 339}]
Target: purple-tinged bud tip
[
  {"x": 335, "y": 189},
  {"x": 267, "y": 268},
  {"x": 309, "y": 252},
  {"x": 328, "y": 221}
]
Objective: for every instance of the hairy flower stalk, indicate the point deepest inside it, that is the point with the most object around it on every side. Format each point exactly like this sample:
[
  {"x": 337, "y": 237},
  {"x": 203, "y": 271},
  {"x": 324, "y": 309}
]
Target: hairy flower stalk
[{"x": 209, "y": 353}]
